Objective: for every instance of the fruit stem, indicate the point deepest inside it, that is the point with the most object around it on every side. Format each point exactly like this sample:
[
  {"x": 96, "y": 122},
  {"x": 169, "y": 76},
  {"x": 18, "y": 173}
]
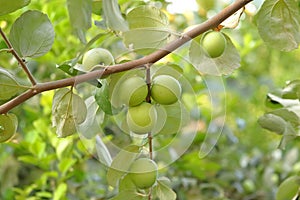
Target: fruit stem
[{"x": 148, "y": 99}]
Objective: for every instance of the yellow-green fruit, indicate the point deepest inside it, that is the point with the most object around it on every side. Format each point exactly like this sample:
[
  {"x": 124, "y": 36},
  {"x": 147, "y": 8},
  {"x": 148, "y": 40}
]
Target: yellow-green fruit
[
  {"x": 214, "y": 43},
  {"x": 96, "y": 56},
  {"x": 141, "y": 119},
  {"x": 165, "y": 89},
  {"x": 143, "y": 173},
  {"x": 288, "y": 189},
  {"x": 7, "y": 126},
  {"x": 133, "y": 91}
]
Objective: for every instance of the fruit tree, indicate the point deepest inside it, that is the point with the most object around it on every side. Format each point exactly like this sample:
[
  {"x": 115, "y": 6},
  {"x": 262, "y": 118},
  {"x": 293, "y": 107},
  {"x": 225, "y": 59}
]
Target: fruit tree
[{"x": 108, "y": 99}]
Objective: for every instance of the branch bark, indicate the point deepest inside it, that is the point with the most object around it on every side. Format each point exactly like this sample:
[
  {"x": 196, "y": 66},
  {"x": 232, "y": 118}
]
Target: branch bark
[
  {"x": 149, "y": 59},
  {"x": 19, "y": 59}
]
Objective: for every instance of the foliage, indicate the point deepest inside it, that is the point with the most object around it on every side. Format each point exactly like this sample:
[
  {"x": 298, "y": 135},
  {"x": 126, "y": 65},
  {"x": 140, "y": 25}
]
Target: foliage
[{"x": 214, "y": 147}]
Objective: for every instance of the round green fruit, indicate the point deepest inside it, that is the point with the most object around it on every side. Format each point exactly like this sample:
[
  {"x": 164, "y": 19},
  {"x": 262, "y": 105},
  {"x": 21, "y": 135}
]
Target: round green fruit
[
  {"x": 214, "y": 43},
  {"x": 143, "y": 173},
  {"x": 288, "y": 189},
  {"x": 141, "y": 119},
  {"x": 133, "y": 91},
  {"x": 165, "y": 89},
  {"x": 96, "y": 56},
  {"x": 8, "y": 126}
]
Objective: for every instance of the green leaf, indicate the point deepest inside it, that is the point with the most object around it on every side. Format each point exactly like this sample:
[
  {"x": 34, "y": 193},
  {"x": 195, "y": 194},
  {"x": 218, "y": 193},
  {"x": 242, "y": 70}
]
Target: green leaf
[
  {"x": 60, "y": 191},
  {"x": 278, "y": 23},
  {"x": 146, "y": 40},
  {"x": 222, "y": 65},
  {"x": 288, "y": 189},
  {"x": 113, "y": 16},
  {"x": 146, "y": 16},
  {"x": 103, "y": 100},
  {"x": 164, "y": 192},
  {"x": 9, "y": 87},
  {"x": 290, "y": 114},
  {"x": 148, "y": 29},
  {"x": 121, "y": 163},
  {"x": 8, "y": 126},
  {"x": 272, "y": 123},
  {"x": 80, "y": 13},
  {"x": 11, "y": 6},
  {"x": 68, "y": 111},
  {"x": 32, "y": 34}
]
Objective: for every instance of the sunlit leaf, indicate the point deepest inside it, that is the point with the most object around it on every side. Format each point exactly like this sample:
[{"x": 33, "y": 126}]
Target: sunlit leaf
[
  {"x": 80, "y": 13},
  {"x": 68, "y": 111},
  {"x": 222, "y": 65},
  {"x": 233, "y": 20},
  {"x": 60, "y": 191},
  {"x": 11, "y": 6},
  {"x": 121, "y": 163},
  {"x": 32, "y": 34},
  {"x": 8, "y": 85},
  {"x": 113, "y": 15},
  {"x": 278, "y": 23}
]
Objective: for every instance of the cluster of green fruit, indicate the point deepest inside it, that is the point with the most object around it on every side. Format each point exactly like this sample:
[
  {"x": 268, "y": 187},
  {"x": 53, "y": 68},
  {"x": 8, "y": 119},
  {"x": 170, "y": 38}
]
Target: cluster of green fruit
[{"x": 142, "y": 116}]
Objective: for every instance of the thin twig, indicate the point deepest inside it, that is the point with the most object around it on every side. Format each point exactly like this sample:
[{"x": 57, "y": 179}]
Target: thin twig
[
  {"x": 152, "y": 58},
  {"x": 19, "y": 59}
]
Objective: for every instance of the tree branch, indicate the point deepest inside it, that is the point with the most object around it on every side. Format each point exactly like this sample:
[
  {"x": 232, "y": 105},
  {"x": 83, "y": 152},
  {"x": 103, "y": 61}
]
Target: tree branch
[
  {"x": 19, "y": 59},
  {"x": 151, "y": 58}
]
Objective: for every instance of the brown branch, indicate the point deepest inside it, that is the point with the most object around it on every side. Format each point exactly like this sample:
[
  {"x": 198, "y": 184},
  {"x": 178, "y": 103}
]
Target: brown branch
[
  {"x": 19, "y": 59},
  {"x": 152, "y": 58}
]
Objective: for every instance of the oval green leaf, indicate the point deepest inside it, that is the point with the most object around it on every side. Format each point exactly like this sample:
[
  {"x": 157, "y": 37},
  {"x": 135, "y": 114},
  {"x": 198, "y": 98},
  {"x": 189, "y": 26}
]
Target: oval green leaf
[
  {"x": 113, "y": 16},
  {"x": 68, "y": 111},
  {"x": 9, "y": 87},
  {"x": 32, "y": 34},
  {"x": 288, "y": 189},
  {"x": 148, "y": 29},
  {"x": 278, "y": 23},
  {"x": 80, "y": 13},
  {"x": 11, "y": 6}
]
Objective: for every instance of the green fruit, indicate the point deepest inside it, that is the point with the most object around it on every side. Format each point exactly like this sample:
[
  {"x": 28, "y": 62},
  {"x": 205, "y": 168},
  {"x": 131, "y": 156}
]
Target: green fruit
[
  {"x": 288, "y": 189},
  {"x": 133, "y": 91},
  {"x": 214, "y": 43},
  {"x": 141, "y": 119},
  {"x": 143, "y": 173},
  {"x": 96, "y": 56},
  {"x": 165, "y": 89},
  {"x": 8, "y": 126}
]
